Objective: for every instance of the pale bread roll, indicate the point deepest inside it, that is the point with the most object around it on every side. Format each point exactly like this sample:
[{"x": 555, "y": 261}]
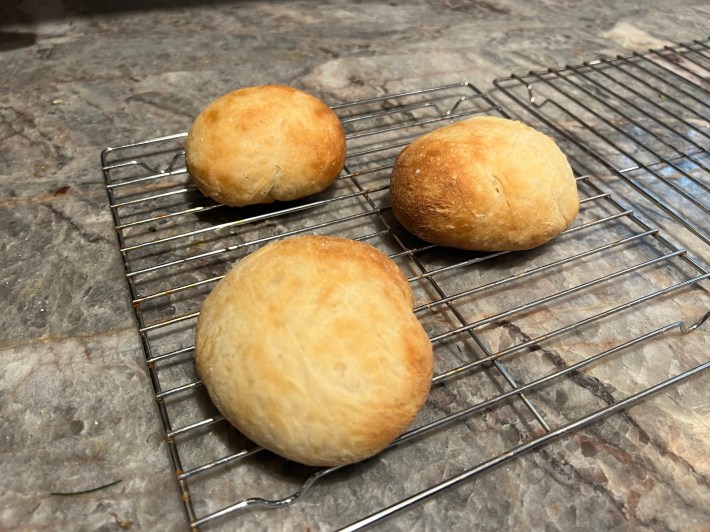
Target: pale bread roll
[
  {"x": 266, "y": 143},
  {"x": 485, "y": 183},
  {"x": 309, "y": 347}
]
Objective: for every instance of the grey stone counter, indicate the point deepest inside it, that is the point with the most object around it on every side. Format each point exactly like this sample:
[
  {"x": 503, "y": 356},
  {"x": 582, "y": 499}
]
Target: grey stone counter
[{"x": 77, "y": 408}]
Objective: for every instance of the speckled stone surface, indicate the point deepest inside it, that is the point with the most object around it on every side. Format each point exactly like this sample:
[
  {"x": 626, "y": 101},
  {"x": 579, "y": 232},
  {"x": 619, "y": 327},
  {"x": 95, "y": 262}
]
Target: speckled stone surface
[{"x": 76, "y": 406}]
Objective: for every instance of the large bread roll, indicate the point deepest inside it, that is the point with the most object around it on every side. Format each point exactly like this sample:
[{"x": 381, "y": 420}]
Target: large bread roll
[
  {"x": 260, "y": 144},
  {"x": 485, "y": 183},
  {"x": 309, "y": 347}
]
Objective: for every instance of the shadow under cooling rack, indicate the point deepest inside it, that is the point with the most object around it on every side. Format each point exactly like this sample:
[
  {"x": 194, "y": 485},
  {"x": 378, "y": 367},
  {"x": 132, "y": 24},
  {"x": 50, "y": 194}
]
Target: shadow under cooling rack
[{"x": 528, "y": 345}]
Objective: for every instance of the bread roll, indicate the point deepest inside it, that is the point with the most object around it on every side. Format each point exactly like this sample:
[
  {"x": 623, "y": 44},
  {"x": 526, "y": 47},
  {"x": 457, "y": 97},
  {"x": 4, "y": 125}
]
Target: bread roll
[
  {"x": 485, "y": 183},
  {"x": 309, "y": 347},
  {"x": 260, "y": 144}
]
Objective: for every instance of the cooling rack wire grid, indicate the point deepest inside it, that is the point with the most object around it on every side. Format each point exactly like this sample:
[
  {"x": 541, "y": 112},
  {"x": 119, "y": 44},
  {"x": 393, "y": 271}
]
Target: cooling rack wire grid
[{"x": 592, "y": 317}]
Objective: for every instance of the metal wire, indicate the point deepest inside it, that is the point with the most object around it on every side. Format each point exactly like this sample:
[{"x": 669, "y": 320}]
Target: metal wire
[
  {"x": 537, "y": 442},
  {"x": 613, "y": 78},
  {"x": 176, "y": 245}
]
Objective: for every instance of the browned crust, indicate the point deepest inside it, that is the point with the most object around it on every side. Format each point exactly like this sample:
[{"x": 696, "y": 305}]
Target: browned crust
[
  {"x": 487, "y": 184},
  {"x": 309, "y": 346},
  {"x": 266, "y": 143}
]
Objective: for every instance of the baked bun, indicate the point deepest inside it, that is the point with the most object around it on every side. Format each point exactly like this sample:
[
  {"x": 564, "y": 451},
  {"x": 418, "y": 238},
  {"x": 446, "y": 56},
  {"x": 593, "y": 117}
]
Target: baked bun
[
  {"x": 309, "y": 347},
  {"x": 261, "y": 144},
  {"x": 486, "y": 184}
]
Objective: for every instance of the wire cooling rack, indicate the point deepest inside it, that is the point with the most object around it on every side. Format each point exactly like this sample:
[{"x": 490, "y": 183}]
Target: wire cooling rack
[{"x": 529, "y": 346}]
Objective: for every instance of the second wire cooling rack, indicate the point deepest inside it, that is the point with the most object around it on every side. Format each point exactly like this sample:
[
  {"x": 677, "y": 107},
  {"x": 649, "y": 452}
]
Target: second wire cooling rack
[{"x": 528, "y": 346}]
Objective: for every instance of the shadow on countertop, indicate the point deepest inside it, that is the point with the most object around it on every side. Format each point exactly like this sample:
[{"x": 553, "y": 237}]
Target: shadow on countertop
[
  {"x": 12, "y": 40},
  {"x": 18, "y": 14}
]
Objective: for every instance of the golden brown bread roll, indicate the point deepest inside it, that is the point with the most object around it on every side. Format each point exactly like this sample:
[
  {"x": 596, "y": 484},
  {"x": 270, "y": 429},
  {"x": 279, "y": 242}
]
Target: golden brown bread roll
[
  {"x": 266, "y": 143},
  {"x": 485, "y": 183},
  {"x": 309, "y": 347}
]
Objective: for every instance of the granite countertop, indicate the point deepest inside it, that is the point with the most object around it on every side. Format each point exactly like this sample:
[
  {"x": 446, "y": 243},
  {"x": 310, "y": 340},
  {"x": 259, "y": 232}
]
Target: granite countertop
[{"x": 77, "y": 406}]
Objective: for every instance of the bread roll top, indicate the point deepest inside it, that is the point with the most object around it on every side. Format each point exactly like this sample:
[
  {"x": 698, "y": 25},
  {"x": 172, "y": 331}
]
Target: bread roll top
[
  {"x": 486, "y": 184},
  {"x": 266, "y": 143},
  {"x": 309, "y": 346}
]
